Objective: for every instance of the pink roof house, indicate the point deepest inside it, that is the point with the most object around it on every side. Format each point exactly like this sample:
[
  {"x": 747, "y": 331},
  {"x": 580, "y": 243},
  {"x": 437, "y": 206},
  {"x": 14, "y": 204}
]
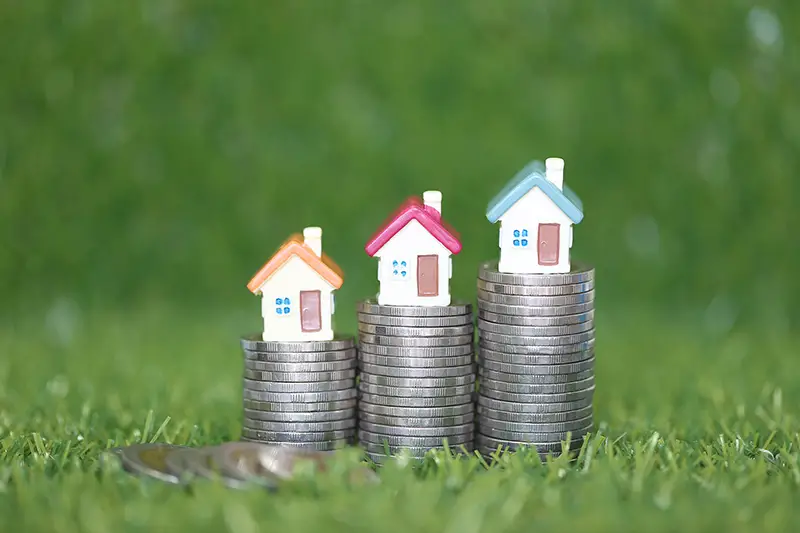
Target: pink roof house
[{"x": 414, "y": 250}]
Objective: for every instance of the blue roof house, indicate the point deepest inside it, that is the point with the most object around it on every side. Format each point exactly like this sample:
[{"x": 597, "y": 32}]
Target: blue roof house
[{"x": 536, "y": 213}]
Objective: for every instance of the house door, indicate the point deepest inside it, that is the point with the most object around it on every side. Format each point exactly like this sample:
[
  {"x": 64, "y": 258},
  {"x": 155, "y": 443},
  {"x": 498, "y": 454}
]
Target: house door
[
  {"x": 548, "y": 243},
  {"x": 310, "y": 311},
  {"x": 428, "y": 275}
]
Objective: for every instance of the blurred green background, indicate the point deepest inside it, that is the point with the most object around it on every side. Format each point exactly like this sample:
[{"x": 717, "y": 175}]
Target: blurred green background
[{"x": 161, "y": 150}]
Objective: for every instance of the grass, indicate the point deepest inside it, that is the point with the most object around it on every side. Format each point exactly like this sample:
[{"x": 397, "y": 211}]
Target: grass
[{"x": 696, "y": 432}]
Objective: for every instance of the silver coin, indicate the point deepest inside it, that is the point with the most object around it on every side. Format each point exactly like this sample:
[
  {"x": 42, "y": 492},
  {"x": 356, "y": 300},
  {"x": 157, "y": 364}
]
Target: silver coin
[
  {"x": 416, "y": 342},
  {"x": 389, "y": 411},
  {"x": 485, "y": 354},
  {"x": 535, "y": 427},
  {"x": 536, "y": 321},
  {"x": 405, "y": 331},
  {"x": 500, "y": 407},
  {"x": 415, "y": 392},
  {"x": 410, "y": 321},
  {"x": 491, "y": 445},
  {"x": 407, "y": 431},
  {"x": 149, "y": 460},
  {"x": 296, "y": 368},
  {"x": 536, "y": 301},
  {"x": 271, "y": 437},
  {"x": 300, "y": 357},
  {"x": 495, "y": 389},
  {"x": 389, "y": 381},
  {"x": 281, "y": 462},
  {"x": 534, "y": 331},
  {"x": 413, "y": 451},
  {"x": 300, "y": 397},
  {"x": 549, "y": 436},
  {"x": 417, "y": 422},
  {"x": 322, "y": 446},
  {"x": 535, "y": 290},
  {"x": 320, "y": 416},
  {"x": 534, "y": 418},
  {"x": 371, "y": 307},
  {"x": 580, "y": 273},
  {"x": 300, "y": 427},
  {"x": 562, "y": 397},
  {"x": 416, "y": 362},
  {"x": 299, "y": 377},
  {"x": 382, "y": 458},
  {"x": 202, "y": 464},
  {"x": 179, "y": 463},
  {"x": 534, "y": 379},
  {"x": 501, "y": 371},
  {"x": 442, "y": 372},
  {"x": 559, "y": 340},
  {"x": 550, "y": 311},
  {"x": 414, "y": 442},
  {"x": 288, "y": 408},
  {"x": 415, "y": 402},
  {"x": 314, "y": 386},
  {"x": 418, "y": 352},
  {"x": 255, "y": 343},
  {"x": 530, "y": 349},
  {"x": 241, "y": 460}
]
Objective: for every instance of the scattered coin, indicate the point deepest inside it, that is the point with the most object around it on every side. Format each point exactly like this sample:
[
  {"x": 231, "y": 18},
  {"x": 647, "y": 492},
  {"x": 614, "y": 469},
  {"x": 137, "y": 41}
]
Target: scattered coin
[
  {"x": 241, "y": 460},
  {"x": 282, "y": 462},
  {"x": 202, "y": 464},
  {"x": 149, "y": 460},
  {"x": 371, "y": 307}
]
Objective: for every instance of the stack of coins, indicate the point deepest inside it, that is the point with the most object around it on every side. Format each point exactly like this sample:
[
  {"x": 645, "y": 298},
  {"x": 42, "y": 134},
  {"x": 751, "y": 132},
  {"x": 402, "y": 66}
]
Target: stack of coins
[
  {"x": 536, "y": 358},
  {"x": 300, "y": 394},
  {"x": 417, "y": 378}
]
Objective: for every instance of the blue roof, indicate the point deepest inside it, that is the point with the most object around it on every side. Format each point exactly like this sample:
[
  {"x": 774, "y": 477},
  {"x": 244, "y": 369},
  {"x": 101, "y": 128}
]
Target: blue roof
[{"x": 533, "y": 175}]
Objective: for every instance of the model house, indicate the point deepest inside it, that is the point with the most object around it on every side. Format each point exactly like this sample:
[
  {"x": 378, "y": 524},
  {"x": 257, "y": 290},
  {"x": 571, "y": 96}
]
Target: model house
[
  {"x": 296, "y": 288},
  {"x": 414, "y": 250},
  {"x": 536, "y": 213}
]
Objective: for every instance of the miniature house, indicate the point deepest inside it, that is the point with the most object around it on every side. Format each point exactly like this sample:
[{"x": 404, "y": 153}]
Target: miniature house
[
  {"x": 296, "y": 288},
  {"x": 536, "y": 213},
  {"x": 414, "y": 249}
]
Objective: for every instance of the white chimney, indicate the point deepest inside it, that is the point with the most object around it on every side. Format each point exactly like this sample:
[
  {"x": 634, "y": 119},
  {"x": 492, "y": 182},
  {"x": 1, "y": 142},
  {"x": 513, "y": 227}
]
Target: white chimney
[
  {"x": 312, "y": 237},
  {"x": 433, "y": 199},
  {"x": 554, "y": 167}
]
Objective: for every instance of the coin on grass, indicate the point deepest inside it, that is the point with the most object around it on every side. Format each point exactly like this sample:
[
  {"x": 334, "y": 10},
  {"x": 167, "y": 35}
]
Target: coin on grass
[
  {"x": 282, "y": 463},
  {"x": 287, "y": 407},
  {"x": 408, "y": 431},
  {"x": 241, "y": 460},
  {"x": 405, "y": 331},
  {"x": 562, "y": 397},
  {"x": 202, "y": 465},
  {"x": 179, "y": 462},
  {"x": 413, "y": 442},
  {"x": 389, "y": 381},
  {"x": 313, "y": 386},
  {"x": 322, "y": 446},
  {"x": 371, "y": 306},
  {"x": 304, "y": 427},
  {"x": 580, "y": 273},
  {"x": 415, "y": 392},
  {"x": 535, "y": 427},
  {"x": 415, "y": 362},
  {"x": 418, "y": 352},
  {"x": 255, "y": 343},
  {"x": 296, "y": 436},
  {"x": 301, "y": 397},
  {"x": 558, "y": 340},
  {"x": 411, "y": 372},
  {"x": 534, "y": 418},
  {"x": 416, "y": 402},
  {"x": 533, "y": 408},
  {"x": 547, "y": 311},
  {"x": 149, "y": 460},
  {"x": 370, "y": 409},
  {"x": 529, "y": 349},
  {"x": 417, "y": 421},
  {"x": 496, "y": 370},
  {"x": 534, "y": 331},
  {"x": 300, "y": 357},
  {"x": 301, "y": 368},
  {"x": 485, "y": 354},
  {"x": 412, "y": 321},
  {"x": 492, "y": 388},
  {"x": 535, "y": 290},
  {"x": 537, "y": 321},
  {"x": 319, "y": 416},
  {"x": 300, "y": 377},
  {"x": 416, "y": 342},
  {"x": 547, "y": 436}
]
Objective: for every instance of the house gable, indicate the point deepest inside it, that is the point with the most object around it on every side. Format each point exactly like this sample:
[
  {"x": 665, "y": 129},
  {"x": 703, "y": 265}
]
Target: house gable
[
  {"x": 425, "y": 216},
  {"x": 534, "y": 207},
  {"x": 412, "y": 240},
  {"x": 293, "y": 248},
  {"x": 292, "y": 277}
]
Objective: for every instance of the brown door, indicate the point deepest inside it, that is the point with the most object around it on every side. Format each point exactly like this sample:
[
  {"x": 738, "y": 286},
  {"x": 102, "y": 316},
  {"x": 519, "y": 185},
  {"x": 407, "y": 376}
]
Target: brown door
[
  {"x": 310, "y": 311},
  {"x": 549, "y": 243},
  {"x": 428, "y": 275}
]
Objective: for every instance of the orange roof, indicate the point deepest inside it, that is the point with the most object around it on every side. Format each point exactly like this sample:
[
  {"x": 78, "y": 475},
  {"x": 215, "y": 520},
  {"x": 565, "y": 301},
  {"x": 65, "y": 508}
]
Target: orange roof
[{"x": 324, "y": 266}]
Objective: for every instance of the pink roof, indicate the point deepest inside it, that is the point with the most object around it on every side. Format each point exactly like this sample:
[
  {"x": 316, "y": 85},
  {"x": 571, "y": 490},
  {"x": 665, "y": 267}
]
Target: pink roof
[{"x": 414, "y": 209}]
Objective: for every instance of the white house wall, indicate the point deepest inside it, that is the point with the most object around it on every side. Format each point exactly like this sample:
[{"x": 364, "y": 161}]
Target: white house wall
[
  {"x": 531, "y": 210},
  {"x": 295, "y": 276},
  {"x": 407, "y": 244}
]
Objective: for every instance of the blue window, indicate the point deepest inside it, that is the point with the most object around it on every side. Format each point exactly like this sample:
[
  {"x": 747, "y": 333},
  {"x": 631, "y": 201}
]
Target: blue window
[
  {"x": 399, "y": 269},
  {"x": 283, "y": 306},
  {"x": 520, "y": 238}
]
